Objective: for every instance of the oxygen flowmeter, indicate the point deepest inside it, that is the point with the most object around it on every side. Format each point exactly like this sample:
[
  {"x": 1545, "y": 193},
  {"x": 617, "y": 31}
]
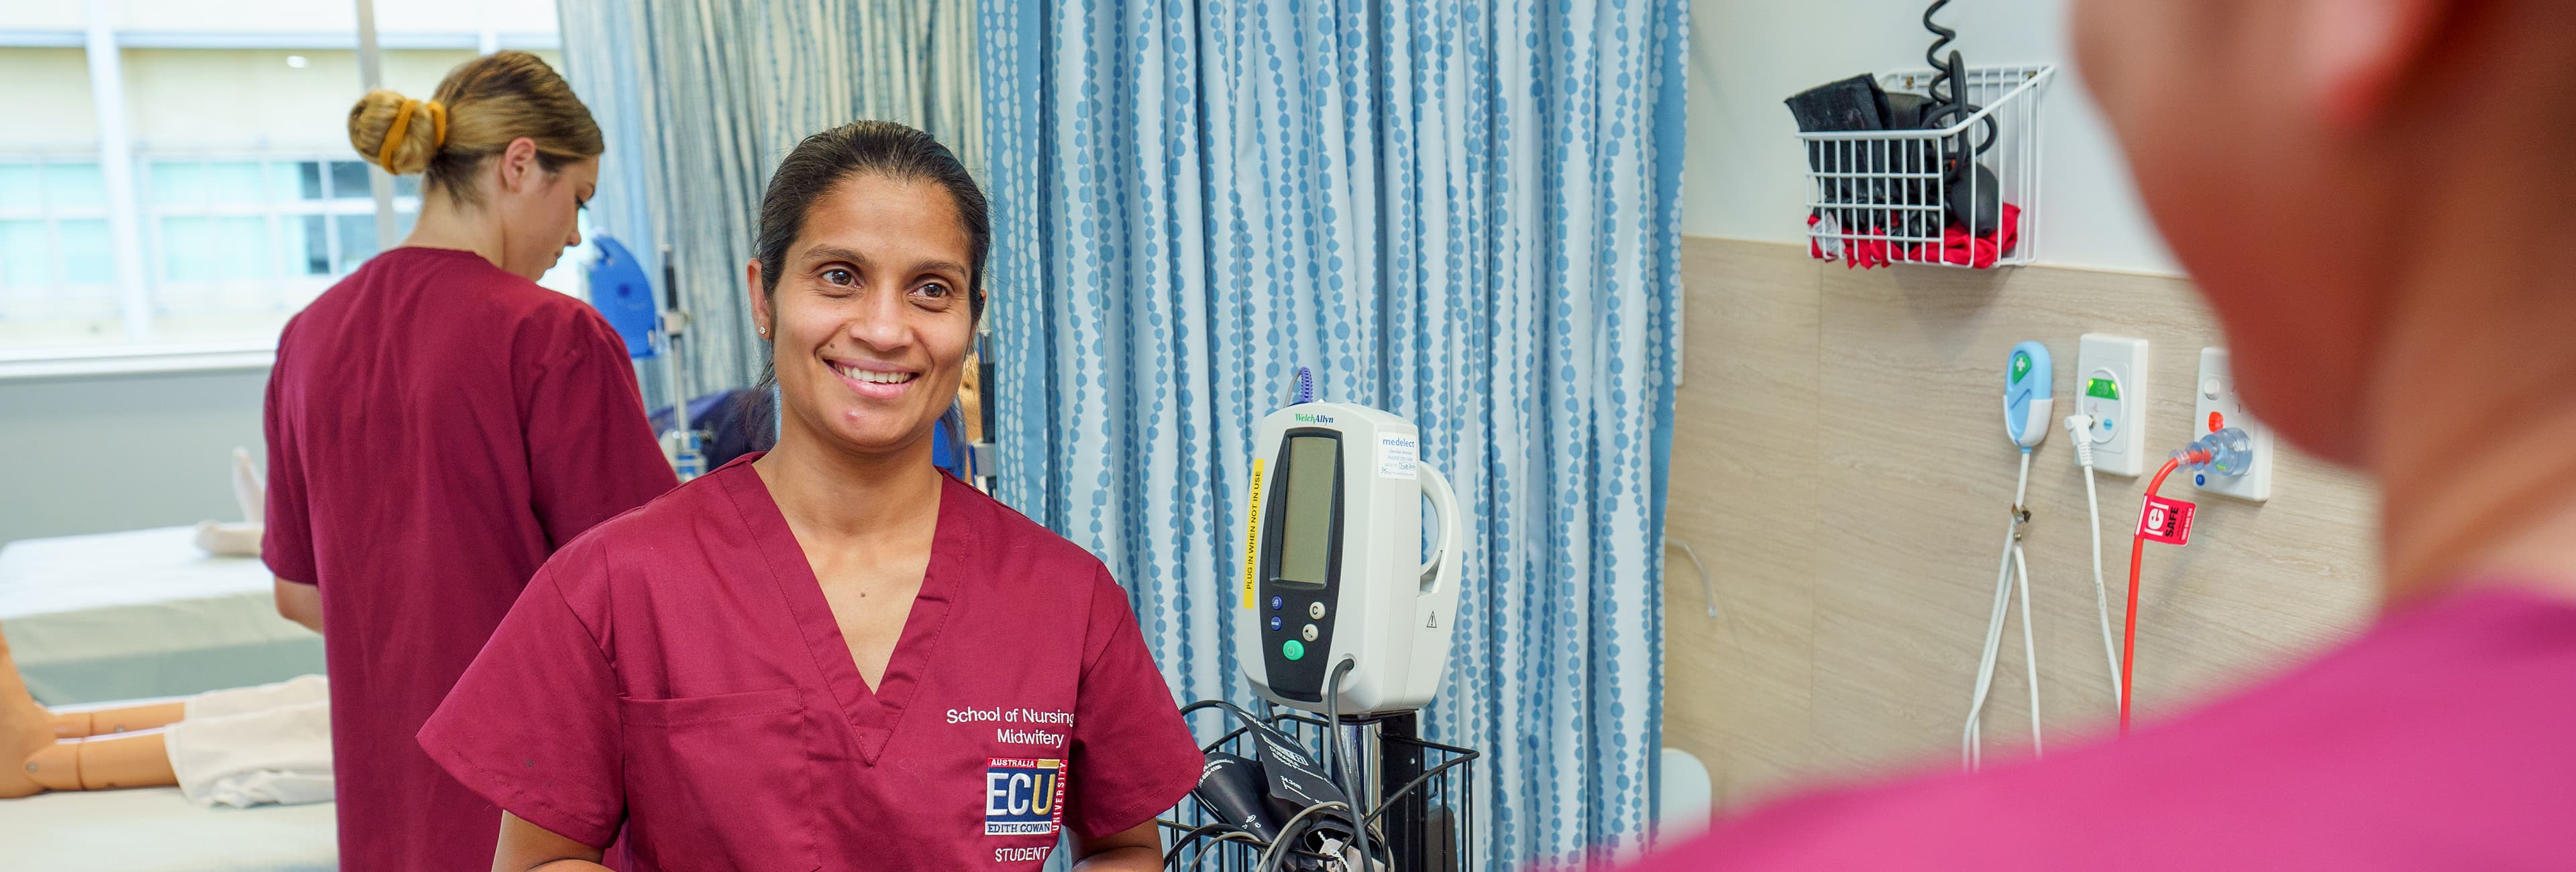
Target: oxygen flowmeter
[
  {"x": 2028, "y": 394},
  {"x": 1333, "y": 567}
]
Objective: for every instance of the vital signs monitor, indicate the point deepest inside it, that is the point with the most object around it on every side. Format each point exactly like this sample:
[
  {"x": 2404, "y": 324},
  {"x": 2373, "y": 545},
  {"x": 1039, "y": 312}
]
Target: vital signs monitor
[{"x": 1333, "y": 567}]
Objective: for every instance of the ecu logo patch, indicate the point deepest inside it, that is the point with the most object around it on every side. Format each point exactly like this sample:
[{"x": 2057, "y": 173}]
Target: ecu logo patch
[{"x": 1023, "y": 797}]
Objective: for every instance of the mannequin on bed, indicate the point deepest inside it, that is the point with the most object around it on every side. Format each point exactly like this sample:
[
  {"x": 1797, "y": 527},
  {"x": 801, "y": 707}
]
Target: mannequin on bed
[{"x": 241, "y": 747}]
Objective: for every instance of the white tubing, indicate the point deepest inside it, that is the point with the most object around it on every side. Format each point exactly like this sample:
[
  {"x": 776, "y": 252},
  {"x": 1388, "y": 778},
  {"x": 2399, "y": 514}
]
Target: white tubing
[
  {"x": 1971, "y": 737},
  {"x": 1970, "y": 751},
  {"x": 2102, "y": 593},
  {"x": 2029, "y": 647}
]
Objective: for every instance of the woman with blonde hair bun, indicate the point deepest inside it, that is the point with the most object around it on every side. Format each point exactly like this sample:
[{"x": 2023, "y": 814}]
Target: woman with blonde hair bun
[{"x": 437, "y": 426}]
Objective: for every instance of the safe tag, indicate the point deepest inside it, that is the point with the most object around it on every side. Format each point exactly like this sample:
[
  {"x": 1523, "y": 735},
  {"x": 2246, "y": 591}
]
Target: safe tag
[{"x": 2166, "y": 520}]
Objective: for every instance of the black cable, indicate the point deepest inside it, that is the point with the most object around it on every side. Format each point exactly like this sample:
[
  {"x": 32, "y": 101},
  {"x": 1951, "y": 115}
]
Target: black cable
[
  {"x": 1342, "y": 773},
  {"x": 1942, "y": 74},
  {"x": 1184, "y": 840},
  {"x": 1388, "y": 801},
  {"x": 1220, "y": 831},
  {"x": 1274, "y": 858},
  {"x": 1211, "y": 851},
  {"x": 1948, "y": 107},
  {"x": 1236, "y": 710}
]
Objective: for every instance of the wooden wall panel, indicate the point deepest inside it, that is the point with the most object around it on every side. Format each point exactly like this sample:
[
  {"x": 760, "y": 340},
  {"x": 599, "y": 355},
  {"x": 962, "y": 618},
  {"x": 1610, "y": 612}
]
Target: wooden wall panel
[
  {"x": 1743, "y": 445},
  {"x": 1840, "y": 467}
]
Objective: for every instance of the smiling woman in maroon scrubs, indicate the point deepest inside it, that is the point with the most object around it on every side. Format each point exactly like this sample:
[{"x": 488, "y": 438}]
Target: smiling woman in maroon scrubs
[{"x": 830, "y": 655}]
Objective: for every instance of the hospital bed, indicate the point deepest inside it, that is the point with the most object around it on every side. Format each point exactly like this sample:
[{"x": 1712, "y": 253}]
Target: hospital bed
[
  {"x": 143, "y": 614},
  {"x": 156, "y": 830}
]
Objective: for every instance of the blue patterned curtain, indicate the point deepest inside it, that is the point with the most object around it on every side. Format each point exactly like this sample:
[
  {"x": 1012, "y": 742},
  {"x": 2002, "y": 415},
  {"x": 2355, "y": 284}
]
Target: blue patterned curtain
[
  {"x": 699, "y": 99},
  {"x": 1459, "y": 211}
]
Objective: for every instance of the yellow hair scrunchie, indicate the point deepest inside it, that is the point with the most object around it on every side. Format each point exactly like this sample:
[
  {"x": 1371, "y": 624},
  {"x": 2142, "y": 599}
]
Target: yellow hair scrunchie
[
  {"x": 394, "y": 134},
  {"x": 402, "y": 125}
]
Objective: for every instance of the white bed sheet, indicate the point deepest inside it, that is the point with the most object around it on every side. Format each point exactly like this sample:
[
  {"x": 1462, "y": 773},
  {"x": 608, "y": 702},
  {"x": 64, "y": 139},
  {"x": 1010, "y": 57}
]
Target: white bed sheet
[
  {"x": 157, "y": 830},
  {"x": 143, "y": 613}
]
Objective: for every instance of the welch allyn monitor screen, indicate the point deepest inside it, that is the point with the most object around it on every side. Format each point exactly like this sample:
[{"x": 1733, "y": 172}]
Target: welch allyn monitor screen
[{"x": 1306, "y": 537}]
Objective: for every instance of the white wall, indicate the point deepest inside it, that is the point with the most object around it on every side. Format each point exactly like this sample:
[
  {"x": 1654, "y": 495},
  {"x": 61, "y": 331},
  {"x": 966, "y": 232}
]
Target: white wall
[
  {"x": 208, "y": 101},
  {"x": 96, "y": 454},
  {"x": 250, "y": 101},
  {"x": 289, "y": 16},
  {"x": 1742, "y": 178},
  {"x": 49, "y": 101}
]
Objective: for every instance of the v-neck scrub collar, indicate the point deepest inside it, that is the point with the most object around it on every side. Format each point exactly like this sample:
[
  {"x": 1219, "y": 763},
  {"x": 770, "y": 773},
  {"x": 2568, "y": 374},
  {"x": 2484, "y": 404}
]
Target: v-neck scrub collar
[{"x": 872, "y": 713}]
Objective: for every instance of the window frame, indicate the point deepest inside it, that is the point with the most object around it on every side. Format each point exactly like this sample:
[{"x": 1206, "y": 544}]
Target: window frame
[
  {"x": 134, "y": 220},
  {"x": 58, "y": 268},
  {"x": 285, "y": 288}
]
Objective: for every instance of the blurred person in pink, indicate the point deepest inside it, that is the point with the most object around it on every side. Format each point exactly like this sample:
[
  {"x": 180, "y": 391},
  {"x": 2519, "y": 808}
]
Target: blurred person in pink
[{"x": 2371, "y": 193}]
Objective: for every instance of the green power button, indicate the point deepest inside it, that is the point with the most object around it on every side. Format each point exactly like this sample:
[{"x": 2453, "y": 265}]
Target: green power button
[{"x": 1293, "y": 649}]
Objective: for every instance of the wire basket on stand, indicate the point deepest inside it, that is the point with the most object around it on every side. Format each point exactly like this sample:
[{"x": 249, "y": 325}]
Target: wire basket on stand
[
  {"x": 1966, "y": 195},
  {"x": 1423, "y": 819}
]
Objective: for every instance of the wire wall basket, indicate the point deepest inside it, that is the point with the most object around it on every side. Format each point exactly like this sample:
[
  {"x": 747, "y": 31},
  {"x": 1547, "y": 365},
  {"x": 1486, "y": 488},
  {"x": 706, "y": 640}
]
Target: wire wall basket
[
  {"x": 1966, "y": 195},
  {"x": 1422, "y": 811}
]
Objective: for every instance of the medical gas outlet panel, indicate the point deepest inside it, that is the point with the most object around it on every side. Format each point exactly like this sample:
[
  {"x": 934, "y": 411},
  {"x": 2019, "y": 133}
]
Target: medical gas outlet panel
[{"x": 2216, "y": 406}]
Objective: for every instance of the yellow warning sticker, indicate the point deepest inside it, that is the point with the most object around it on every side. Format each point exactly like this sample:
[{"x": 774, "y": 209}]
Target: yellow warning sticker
[{"x": 1252, "y": 534}]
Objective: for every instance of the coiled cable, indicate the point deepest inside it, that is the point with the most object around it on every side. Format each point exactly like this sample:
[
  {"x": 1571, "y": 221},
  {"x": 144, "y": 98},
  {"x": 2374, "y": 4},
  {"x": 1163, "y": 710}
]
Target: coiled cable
[
  {"x": 1948, "y": 106},
  {"x": 1944, "y": 72}
]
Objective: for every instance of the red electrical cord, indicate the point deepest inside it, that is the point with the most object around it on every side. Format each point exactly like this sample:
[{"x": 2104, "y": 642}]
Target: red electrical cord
[{"x": 2137, "y": 558}]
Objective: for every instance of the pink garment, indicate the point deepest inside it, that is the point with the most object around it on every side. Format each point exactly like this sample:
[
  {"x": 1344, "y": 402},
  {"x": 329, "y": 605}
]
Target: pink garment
[{"x": 2445, "y": 738}]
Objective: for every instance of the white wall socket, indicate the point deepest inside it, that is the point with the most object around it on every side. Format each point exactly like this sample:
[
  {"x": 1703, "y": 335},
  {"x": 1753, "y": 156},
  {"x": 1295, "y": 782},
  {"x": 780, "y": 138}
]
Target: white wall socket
[
  {"x": 2216, "y": 404},
  {"x": 2111, "y": 387}
]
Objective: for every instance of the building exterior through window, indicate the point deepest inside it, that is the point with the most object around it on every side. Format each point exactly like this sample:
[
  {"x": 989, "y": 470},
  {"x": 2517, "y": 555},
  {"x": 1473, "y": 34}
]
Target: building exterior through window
[{"x": 176, "y": 176}]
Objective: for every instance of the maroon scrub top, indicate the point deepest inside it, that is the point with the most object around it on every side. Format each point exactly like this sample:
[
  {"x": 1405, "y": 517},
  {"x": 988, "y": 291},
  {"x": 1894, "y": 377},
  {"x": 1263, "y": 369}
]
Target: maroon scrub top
[
  {"x": 678, "y": 673},
  {"x": 436, "y": 428}
]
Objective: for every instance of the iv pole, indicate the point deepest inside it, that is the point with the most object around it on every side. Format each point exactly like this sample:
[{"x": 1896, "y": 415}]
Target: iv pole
[{"x": 687, "y": 457}]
